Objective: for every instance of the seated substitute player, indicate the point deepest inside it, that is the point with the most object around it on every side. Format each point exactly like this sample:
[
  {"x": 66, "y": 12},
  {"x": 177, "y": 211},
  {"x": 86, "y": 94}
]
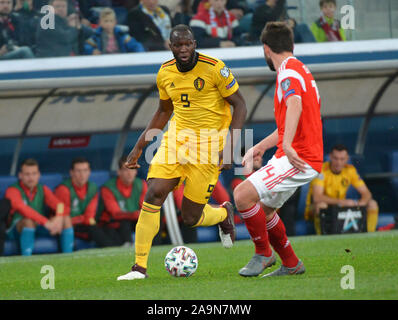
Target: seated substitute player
[
  {"x": 199, "y": 90},
  {"x": 27, "y": 216},
  {"x": 80, "y": 197},
  {"x": 120, "y": 204},
  {"x": 330, "y": 188},
  {"x": 297, "y": 161}
]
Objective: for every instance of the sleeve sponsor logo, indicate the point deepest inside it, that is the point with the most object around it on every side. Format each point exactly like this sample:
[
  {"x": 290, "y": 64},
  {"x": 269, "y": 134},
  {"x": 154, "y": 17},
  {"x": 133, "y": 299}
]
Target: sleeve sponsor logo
[
  {"x": 231, "y": 84},
  {"x": 289, "y": 93}
]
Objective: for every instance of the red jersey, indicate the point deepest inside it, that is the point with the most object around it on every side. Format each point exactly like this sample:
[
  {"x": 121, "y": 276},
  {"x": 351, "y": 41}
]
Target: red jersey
[{"x": 295, "y": 79}]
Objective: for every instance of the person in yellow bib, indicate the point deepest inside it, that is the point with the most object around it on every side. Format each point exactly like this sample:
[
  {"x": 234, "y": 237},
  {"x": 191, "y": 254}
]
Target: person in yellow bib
[
  {"x": 330, "y": 188},
  {"x": 200, "y": 91}
]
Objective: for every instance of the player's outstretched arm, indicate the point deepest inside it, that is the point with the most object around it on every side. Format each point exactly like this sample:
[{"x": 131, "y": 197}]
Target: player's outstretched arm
[
  {"x": 158, "y": 121},
  {"x": 238, "y": 104},
  {"x": 259, "y": 149}
]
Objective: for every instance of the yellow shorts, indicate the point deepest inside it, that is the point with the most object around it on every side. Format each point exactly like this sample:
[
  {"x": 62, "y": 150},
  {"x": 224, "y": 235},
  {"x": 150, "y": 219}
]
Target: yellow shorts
[{"x": 200, "y": 179}]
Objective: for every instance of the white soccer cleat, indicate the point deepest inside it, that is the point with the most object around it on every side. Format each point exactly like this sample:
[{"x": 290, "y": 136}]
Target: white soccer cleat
[
  {"x": 227, "y": 227},
  {"x": 132, "y": 275},
  {"x": 136, "y": 272},
  {"x": 225, "y": 239}
]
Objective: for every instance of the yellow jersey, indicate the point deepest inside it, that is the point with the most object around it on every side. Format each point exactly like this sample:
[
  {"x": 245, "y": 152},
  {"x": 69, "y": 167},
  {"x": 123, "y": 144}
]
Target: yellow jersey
[
  {"x": 334, "y": 185},
  {"x": 200, "y": 110}
]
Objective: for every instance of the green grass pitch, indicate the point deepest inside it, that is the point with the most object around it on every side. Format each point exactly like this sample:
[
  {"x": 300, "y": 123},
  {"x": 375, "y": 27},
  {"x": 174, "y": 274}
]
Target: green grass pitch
[{"x": 91, "y": 274}]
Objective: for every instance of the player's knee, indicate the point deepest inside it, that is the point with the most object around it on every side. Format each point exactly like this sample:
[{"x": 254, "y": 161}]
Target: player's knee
[
  {"x": 318, "y": 206},
  {"x": 191, "y": 217},
  {"x": 26, "y": 223},
  {"x": 239, "y": 197},
  {"x": 67, "y": 222},
  {"x": 190, "y": 221},
  {"x": 372, "y": 205},
  {"x": 155, "y": 194}
]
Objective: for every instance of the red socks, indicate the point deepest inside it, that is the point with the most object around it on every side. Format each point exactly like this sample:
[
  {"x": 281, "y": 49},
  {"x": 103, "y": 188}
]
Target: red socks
[
  {"x": 263, "y": 234},
  {"x": 255, "y": 221},
  {"x": 279, "y": 241}
]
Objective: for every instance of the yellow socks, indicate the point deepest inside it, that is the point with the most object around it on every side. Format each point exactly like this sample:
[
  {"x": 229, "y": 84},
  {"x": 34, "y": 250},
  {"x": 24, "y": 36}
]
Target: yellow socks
[
  {"x": 211, "y": 216},
  {"x": 146, "y": 229},
  {"x": 371, "y": 217}
]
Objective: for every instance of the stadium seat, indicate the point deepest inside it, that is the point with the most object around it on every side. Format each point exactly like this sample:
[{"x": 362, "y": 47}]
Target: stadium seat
[
  {"x": 385, "y": 218},
  {"x": 11, "y": 248},
  {"x": 99, "y": 177},
  {"x": 44, "y": 245},
  {"x": 5, "y": 182},
  {"x": 83, "y": 244},
  {"x": 51, "y": 180}
]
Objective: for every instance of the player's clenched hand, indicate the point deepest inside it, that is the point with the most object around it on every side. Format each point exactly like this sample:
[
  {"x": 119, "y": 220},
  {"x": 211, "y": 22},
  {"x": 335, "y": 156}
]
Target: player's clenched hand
[
  {"x": 132, "y": 158},
  {"x": 251, "y": 154},
  {"x": 53, "y": 227},
  {"x": 294, "y": 159}
]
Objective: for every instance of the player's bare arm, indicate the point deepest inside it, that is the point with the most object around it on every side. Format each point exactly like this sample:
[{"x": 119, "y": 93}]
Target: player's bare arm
[
  {"x": 259, "y": 149},
  {"x": 158, "y": 121},
  {"x": 366, "y": 195},
  {"x": 293, "y": 113},
  {"x": 238, "y": 104}
]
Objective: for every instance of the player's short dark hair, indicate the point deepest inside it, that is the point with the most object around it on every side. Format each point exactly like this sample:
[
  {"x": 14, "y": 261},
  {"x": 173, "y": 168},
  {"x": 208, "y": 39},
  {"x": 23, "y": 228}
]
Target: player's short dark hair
[
  {"x": 180, "y": 28},
  {"x": 323, "y": 2},
  {"x": 78, "y": 160},
  {"x": 278, "y": 36},
  {"x": 30, "y": 162},
  {"x": 339, "y": 147}
]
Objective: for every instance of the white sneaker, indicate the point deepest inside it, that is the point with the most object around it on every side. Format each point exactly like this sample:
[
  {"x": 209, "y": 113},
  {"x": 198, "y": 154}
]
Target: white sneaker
[
  {"x": 227, "y": 227},
  {"x": 225, "y": 239},
  {"x": 136, "y": 272},
  {"x": 132, "y": 275}
]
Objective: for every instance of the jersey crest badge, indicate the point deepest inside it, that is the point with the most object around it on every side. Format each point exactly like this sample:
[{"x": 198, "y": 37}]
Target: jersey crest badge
[
  {"x": 199, "y": 84},
  {"x": 225, "y": 72},
  {"x": 285, "y": 84}
]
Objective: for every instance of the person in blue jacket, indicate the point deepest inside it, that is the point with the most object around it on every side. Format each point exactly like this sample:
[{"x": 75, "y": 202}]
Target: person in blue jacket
[{"x": 110, "y": 38}]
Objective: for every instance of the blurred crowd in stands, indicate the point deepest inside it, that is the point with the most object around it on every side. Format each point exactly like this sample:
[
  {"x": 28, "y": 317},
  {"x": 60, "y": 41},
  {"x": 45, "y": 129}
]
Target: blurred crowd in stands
[{"x": 93, "y": 27}]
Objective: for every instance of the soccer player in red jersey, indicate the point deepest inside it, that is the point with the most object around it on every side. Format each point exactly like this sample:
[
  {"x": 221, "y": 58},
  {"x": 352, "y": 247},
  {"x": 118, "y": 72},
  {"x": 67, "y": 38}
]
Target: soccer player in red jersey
[{"x": 297, "y": 161}]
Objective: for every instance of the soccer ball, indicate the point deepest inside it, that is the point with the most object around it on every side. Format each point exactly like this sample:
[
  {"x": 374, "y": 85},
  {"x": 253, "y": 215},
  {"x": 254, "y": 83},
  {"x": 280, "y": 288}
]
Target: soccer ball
[{"x": 181, "y": 262}]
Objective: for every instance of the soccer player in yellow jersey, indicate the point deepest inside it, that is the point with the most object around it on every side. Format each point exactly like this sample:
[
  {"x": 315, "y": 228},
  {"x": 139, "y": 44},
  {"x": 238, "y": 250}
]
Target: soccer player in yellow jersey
[
  {"x": 199, "y": 90},
  {"x": 330, "y": 188}
]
